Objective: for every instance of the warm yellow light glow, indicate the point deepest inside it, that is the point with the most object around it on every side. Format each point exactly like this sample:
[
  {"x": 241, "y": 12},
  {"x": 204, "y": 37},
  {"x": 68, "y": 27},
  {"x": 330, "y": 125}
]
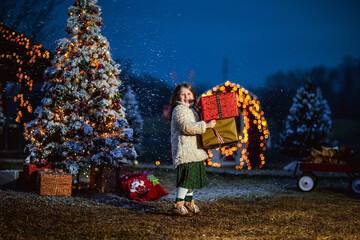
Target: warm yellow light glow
[
  {"x": 249, "y": 106},
  {"x": 34, "y": 52}
]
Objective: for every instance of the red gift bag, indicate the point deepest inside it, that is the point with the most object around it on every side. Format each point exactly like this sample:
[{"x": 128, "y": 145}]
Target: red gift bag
[
  {"x": 219, "y": 106},
  {"x": 141, "y": 186}
]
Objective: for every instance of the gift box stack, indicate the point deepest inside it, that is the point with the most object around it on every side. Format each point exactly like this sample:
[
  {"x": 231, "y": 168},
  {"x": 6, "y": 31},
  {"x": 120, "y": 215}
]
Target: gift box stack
[
  {"x": 54, "y": 183},
  {"x": 221, "y": 107}
]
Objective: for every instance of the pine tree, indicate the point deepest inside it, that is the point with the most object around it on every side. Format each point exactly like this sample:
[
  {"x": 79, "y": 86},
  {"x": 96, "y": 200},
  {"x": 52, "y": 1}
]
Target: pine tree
[
  {"x": 133, "y": 115},
  {"x": 81, "y": 120},
  {"x": 308, "y": 123}
]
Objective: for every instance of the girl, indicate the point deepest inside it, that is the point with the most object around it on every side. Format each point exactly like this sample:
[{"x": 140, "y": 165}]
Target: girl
[{"x": 187, "y": 154}]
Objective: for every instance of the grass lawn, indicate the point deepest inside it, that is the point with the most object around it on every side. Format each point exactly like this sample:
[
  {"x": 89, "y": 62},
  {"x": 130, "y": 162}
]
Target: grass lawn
[
  {"x": 328, "y": 212},
  {"x": 241, "y": 206}
]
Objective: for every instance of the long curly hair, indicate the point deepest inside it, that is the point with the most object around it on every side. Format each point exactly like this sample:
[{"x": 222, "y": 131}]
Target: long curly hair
[{"x": 176, "y": 96}]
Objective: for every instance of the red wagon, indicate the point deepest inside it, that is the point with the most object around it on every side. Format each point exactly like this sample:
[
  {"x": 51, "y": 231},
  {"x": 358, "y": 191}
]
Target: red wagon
[{"x": 307, "y": 181}]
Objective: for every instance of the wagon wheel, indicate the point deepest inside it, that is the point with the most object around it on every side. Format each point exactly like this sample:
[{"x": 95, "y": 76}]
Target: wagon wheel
[
  {"x": 355, "y": 184},
  {"x": 306, "y": 182}
]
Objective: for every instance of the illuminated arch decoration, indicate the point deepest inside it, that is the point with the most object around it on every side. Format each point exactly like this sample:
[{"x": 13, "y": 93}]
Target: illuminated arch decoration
[
  {"x": 252, "y": 140},
  {"x": 25, "y": 61}
]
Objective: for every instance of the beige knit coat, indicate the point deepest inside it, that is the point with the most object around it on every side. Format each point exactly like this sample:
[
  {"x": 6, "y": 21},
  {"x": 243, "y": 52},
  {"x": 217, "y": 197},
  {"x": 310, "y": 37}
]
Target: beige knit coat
[{"x": 186, "y": 128}]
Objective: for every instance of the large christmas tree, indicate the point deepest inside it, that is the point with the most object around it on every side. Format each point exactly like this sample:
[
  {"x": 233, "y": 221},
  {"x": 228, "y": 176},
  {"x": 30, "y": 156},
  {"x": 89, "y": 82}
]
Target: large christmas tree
[
  {"x": 308, "y": 123},
  {"x": 81, "y": 119}
]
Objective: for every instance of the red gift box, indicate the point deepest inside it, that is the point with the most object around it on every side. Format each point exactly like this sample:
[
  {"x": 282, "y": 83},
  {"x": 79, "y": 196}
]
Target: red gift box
[
  {"x": 219, "y": 106},
  {"x": 141, "y": 186},
  {"x": 30, "y": 171}
]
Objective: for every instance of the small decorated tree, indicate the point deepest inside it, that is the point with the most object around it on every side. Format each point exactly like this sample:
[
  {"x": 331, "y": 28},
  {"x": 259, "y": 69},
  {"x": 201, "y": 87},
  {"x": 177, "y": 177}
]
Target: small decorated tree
[
  {"x": 81, "y": 119},
  {"x": 133, "y": 115},
  {"x": 308, "y": 123}
]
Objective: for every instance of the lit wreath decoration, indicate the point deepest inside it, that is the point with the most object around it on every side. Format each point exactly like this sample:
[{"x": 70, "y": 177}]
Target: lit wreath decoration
[{"x": 254, "y": 134}]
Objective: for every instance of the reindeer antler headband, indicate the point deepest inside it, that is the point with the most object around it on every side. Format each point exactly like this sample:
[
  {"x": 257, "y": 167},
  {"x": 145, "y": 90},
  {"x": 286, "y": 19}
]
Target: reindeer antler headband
[{"x": 175, "y": 80}]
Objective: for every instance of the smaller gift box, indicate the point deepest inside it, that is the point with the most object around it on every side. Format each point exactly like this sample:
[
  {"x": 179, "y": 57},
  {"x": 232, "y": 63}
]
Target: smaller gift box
[
  {"x": 219, "y": 106},
  {"x": 30, "y": 171},
  {"x": 54, "y": 183},
  {"x": 224, "y": 133},
  {"x": 9, "y": 179},
  {"x": 105, "y": 177}
]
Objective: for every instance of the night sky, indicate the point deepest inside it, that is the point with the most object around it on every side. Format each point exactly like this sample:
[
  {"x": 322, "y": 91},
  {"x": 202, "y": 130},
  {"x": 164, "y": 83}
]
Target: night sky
[{"x": 257, "y": 37}]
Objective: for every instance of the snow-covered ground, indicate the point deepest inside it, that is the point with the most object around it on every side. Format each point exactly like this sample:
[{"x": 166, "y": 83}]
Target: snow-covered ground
[
  {"x": 215, "y": 192},
  {"x": 222, "y": 183},
  {"x": 231, "y": 183}
]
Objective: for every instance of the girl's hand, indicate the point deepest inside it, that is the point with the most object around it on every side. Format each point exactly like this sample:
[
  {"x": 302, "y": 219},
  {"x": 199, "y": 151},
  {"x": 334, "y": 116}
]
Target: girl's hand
[{"x": 211, "y": 124}]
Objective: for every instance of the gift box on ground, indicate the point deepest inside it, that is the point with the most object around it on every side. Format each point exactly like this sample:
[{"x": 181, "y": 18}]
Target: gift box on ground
[
  {"x": 106, "y": 177},
  {"x": 141, "y": 186},
  {"x": 224, "y": 133},
  {"x": 54, "y": 183},
  {"x": 29, "y": 174},
  {"x": 9, "y": 179},
  {"x": 219, "y": 106}
]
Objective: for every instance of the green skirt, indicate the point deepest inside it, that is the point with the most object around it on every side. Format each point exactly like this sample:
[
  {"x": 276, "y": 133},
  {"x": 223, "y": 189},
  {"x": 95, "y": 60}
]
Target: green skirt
[{"x": 191, "y": 175}]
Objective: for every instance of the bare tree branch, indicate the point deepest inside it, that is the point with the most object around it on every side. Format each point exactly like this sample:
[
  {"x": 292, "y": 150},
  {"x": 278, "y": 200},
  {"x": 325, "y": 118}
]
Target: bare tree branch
[{"x": 30, "y": 17}]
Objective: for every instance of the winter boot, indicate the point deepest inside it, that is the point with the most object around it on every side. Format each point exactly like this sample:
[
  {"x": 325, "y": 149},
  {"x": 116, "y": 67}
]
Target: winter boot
[
  {"x": 191, "y": 207},
  {"x": 180, "y": 210}
]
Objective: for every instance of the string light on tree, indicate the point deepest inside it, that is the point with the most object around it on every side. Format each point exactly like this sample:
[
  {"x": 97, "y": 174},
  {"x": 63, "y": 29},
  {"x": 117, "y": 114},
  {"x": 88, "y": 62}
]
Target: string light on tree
[{"x": 81, "y": 120}]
